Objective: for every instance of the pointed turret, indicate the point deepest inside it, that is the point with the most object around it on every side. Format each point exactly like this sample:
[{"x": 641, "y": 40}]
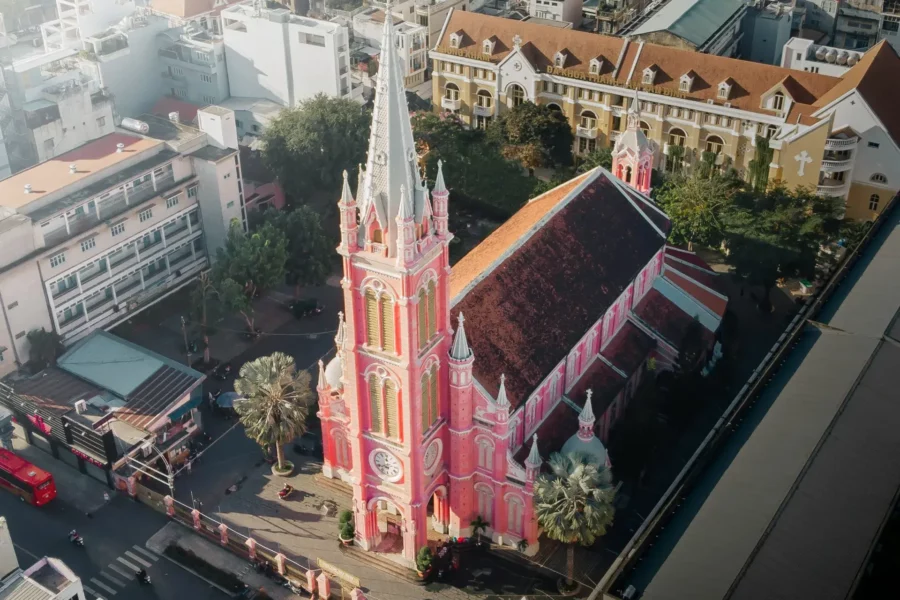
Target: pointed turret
[
  {"x": 586, "y": 419},
  {"x": 391, "y": 162},
  {"x": 322, "y": 383},
  {"x": 349, "y": 220},
  {"x": 460, "y": 349},
  {"x": 341, "y": 335},
  {"x": 534, "y": 457},
  {"x": 440, "y": 197},
  {"x": 634, "y": 112},
  {"x": 406, "y": 230},
  {"x": 502, "y": 400},
  {"x": 439, "y": 185}
]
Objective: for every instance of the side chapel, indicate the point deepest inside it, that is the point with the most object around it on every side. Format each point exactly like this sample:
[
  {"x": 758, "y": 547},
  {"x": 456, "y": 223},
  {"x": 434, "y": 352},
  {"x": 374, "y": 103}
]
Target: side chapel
[{"x": 450, "y": 386}]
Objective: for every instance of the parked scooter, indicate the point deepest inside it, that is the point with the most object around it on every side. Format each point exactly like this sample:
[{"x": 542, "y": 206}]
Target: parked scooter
[
  {"x": 76, "y": 539},
  {"x": 143, "y": 577},
  {"x": 286, "y": 491},
  {"x": 222, "y": 371}
]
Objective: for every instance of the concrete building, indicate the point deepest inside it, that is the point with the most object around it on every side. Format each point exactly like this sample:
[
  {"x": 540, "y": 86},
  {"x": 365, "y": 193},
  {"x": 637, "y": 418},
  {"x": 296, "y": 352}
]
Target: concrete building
[
  {"x": 839, "y": 136},
  {"x": 192, "y": 65},
  {"x": 410, "y": 38},
  {"x": 431, "y": 14},
  {"x": 47, "y": 579},
  {"x": 556, "y": 10},
  {"x": 278, "y": 56},
  {"x": 611, "y": 15},
  {"x": 103, "y": 231},
  {"x": 708, "y": 26},
  {"x": 803, "y": 55},
  {"x": 766, "y": 28}
]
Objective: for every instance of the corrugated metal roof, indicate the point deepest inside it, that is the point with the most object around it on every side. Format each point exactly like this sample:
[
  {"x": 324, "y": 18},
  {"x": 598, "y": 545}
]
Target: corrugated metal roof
[
  {"x": 692, "y": 20},
  {"x": 25, "y": 589}
]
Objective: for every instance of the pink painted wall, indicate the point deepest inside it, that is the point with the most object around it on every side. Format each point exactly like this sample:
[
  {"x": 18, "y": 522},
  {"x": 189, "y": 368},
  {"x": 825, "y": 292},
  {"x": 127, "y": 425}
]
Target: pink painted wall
[{"x": 262, "y": 190}]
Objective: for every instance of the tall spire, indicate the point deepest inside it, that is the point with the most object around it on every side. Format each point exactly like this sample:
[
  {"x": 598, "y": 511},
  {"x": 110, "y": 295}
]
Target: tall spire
[
  {"x": 322, "y": 383},
  {"x": 502, "y": 400},
  {"x": 460, "y": 349},
  {"x": 341, "y": 335},
  {"x": 586, "y": 419},
  {"x": 391, "y": 161},
  {"x": 439, "y": 185},
  {"x": 534, "y": 457},
  {"x": 346, "y": 194},
  {"x": 634, "y": 112}
]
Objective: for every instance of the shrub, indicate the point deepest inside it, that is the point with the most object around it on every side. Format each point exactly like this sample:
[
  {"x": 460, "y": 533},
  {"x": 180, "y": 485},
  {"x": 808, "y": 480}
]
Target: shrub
[
  {"x": 347, "y": 531},
  {"x": 346, "y": 516},
  {"x": 424, "y": 559}
]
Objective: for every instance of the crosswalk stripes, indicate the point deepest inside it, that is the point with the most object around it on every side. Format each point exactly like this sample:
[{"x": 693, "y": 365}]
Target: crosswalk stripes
[
  {"x": 117, "y": 569},
  {"x": 90, "y": 590},
  {"x": 120, "y": 573},
  {"x": 137, "y": 559},
  {"x": 133, "y": 568},
  {"x": 152, "y": 556},
  {"x": 114, "y": 580},
  {"x": 103, "y": 586}
]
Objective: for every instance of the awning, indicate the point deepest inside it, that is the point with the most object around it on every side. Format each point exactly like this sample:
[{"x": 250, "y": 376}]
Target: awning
[{"x": 182, "y": 410}]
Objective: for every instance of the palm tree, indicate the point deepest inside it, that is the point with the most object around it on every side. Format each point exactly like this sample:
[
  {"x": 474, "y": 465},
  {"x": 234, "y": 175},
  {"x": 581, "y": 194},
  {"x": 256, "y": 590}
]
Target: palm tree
[
  {"x": 275, "y": 398},
  {"x": 573, "y": 504}
]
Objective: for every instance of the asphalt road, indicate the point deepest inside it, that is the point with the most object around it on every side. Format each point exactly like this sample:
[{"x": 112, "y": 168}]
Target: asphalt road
[{"x": 114, "y": 539}]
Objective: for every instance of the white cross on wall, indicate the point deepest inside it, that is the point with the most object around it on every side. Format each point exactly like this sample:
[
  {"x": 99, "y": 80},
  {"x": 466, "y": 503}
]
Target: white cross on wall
[{"x": 804, "y": 159}]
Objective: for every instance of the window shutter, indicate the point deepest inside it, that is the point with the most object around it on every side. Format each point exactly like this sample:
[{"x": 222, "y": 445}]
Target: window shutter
[
  {"x": 434, "y": 395},
  {"x": 387, "y": 324},
  {"x": 390, "y": 401},
  {"x": 371, "y": 319},
  {"x": 375, "y": 403},
  {"x": 432, "y": 310},
  {"x": 426, "y": 404},
  {"x": 423, "y": 321}
]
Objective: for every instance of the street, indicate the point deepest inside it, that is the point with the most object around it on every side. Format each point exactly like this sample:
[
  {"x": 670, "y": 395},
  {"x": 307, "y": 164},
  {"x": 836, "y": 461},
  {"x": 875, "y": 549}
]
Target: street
[{"x": 114, "y": 548}]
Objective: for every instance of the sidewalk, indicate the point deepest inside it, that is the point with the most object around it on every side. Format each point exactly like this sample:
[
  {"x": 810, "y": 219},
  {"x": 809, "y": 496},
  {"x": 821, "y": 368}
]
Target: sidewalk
[{"x": 72, "y": 486}]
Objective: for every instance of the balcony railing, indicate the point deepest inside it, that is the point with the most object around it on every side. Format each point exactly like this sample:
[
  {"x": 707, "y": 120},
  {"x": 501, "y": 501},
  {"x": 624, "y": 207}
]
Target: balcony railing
[
  {"x": 450, "y": 103},
  {"x": 835, "y": 166},
  {"x": 832, "y": 188},
  {"x": 841, "y": 144},
  {"x": 586, "y": 132},
  {"x": 483, "y": 111}
]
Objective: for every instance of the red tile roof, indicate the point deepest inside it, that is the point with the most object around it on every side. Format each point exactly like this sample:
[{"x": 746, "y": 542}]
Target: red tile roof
[
  {"x": 528, "y": 312},
  {"x": 629, "y": 348},
  {"x": 556, "y": 429},
  {"x": 710, "y": 280},
  {"x": 187, "y": 111},
  {"x": 665, "y": 318},
  {"x": 713, "y": 302},
  {"x": 688, "y": 257}
]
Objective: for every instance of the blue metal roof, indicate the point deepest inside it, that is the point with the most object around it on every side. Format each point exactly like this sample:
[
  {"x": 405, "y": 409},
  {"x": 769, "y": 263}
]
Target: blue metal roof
[{"x": 692, "y": 20}]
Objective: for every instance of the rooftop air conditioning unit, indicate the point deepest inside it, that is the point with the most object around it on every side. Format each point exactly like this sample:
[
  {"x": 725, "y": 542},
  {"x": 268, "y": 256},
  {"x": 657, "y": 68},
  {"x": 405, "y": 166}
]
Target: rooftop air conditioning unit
[
  {"x": 710, "y": 101},
  {"x": 81, "y": 407}
]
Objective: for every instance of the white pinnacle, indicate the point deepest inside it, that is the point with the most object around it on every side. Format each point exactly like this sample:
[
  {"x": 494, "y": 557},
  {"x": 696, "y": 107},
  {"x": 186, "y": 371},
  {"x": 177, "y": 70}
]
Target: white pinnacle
[
  {"x": 322, "y": 383},
  {"x": 346, "y": 194},
  {"x": 534, "y": 457},
  {"x": 502, "y": 400},
  {"x": 587, "y": 413},
  {"x": 460, "y": 349},
  {"x": 406, "y": 207},
  {"x": 439, "y": 185}
]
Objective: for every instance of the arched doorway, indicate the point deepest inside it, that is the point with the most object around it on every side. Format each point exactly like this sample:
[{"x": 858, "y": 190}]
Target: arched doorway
[
  {"x": 439, "y": 510},
  {"x": 515, "y": 95},
  {"x": 388, "y": 526}
]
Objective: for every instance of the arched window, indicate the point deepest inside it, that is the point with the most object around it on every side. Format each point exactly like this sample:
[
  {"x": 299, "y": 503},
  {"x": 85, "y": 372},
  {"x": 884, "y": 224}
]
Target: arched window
[
  {"x": 430, "y": 400},
  {"x": 878, "y": 178},
  {"x": 485, "y": 502},
  {"x": 484, "y": 99},
  {"x": 645, "y": 128},
  {"x": 379, "y": 321},
  {"x": 516, "y": 95},
  {"x": 376, "y": 421},
  {"x": 392, "y": 417},
  {"x": 451, "y": 91},
  {"x": 387, "y": 324},
  {"x": 770, "y": 131},
  {"x": 515, "y": 510},
  {"x": 485, "y": 454},
  {"x": 554, "y": 106},
  {"x": 778, "y": 101},
  {"x": 432, "y": 309},
  {"x": 676, "y": 137},
  {"x": 874, "y": 199},
  {"x": 588, "y": 119},
  {"x": 372, "y": 338},
  {"x": 714, "y": 144},
  {"x": 427, "y": 313}
]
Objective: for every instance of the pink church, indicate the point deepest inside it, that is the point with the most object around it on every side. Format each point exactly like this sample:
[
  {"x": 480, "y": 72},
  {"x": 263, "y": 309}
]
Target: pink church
[{"x": 557, "y": 316}]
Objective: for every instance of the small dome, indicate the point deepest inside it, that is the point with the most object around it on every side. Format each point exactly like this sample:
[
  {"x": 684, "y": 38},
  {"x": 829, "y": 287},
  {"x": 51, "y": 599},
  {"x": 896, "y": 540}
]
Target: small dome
[
  {"x": 333, "y": 373},
  {"x": 592, "y": 447}
]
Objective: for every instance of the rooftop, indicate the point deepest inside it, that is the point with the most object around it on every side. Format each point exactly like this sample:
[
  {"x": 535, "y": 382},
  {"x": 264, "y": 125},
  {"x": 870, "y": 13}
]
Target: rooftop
[
  {"x": 190, "y": 8},
  {"x": 51, "y": 574},
  {"x": 692, "y": 20},
  {"x": 793, "y": 503},
  {"x": 23, "y": 588},
  {"x": 53, "y": 175}
]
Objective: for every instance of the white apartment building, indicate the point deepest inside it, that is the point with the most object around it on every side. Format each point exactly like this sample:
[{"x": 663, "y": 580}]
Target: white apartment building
[
  {"x": 429, "y": 13},
  {"x": 569, "y": 11},
  {"x": 803, "y": 55},
  {"x": 47, "y": 579},
  {"x": 276, "y": 55},
  {"x": 99, "y": 233},
  {"x": 411, "y": 41}
]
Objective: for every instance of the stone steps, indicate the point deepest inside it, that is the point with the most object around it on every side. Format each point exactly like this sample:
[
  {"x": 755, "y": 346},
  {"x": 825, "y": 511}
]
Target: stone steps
[
  {"x": 335, "y": 485},
  {"x": 382, "y": 564}
]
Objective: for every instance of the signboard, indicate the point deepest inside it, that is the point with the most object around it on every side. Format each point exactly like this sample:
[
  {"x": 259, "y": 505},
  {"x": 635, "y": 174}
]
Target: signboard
[
  {"x": 87, "y": 458},
  {"x": 465, "y": 54},
  {"x": 607, "y": 80}
]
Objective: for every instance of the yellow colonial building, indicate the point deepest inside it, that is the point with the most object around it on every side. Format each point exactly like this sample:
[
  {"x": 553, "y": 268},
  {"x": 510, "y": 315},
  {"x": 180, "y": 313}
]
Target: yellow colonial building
[{"x": 838, "y": 136}]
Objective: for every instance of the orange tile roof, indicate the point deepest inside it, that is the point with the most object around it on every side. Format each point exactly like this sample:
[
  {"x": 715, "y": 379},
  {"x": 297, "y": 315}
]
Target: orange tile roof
[
  {"x": 52, "y": 175},
  {"x": 189, "y": 8},
  {"x": 875, "y": 78},
  {"x": 715, "y": 303},
  {"x": 505, "y": 237},
  {"x": 540, "y": 43}
]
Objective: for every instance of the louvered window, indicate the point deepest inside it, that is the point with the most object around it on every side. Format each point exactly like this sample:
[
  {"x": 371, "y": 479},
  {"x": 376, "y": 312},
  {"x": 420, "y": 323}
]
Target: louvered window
[
  {"x": 391, "y": 408},
  {"x": 432, "y": 310},
  {"x": 434, "y": 394},
  {"x": 371, "y": 319},
  {"x": 387, "y": 324},
  {"x": 426, "y": 403},
  {"x": 423, "y": 318},
  {"x": 375, "y": 403}
]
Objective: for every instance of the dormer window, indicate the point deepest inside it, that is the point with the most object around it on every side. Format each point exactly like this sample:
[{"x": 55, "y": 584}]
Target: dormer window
[
  {"x": 487, "y": 47},
  {"x": 686, "y": 82},
  {"x": 724, "y": 90},
  {"x": 649, "y": 75},
  {"x": 455, "y": 40},
  {"x": 559, "y": 60},
  {"x": 596, "y": 65},
  {"x": 778, "y": 101}
]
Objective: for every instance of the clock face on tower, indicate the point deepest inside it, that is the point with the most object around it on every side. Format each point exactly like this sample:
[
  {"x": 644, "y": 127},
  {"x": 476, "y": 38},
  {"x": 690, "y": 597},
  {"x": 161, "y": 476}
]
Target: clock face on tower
[{"x": 386, "y": 464}]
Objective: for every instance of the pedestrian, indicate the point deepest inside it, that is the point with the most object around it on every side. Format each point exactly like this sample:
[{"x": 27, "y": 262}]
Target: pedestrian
[{"x": 105, "y": 498}]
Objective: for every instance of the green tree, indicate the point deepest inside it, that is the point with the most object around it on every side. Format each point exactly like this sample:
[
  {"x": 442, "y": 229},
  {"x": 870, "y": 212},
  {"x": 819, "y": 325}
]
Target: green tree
[
  {"x": 275, "y": 401},
  {"x": 675, "y": 159},
  {"x": 536, "y": 135},
  {"x": 44, "y": 348},
  {"x": 308, "y": 147},
  {"x": 601, "y": 157},
  {"x": 779, "y": 234},
  {"x": 695, "y": 205},
  {"x": 247, "y": 265},
  {"x": 574, "y": 503},
  {"x": 207, "y": 309},
  {"x": 759, "y": 167},
  {"x": 309, "y": 251}
]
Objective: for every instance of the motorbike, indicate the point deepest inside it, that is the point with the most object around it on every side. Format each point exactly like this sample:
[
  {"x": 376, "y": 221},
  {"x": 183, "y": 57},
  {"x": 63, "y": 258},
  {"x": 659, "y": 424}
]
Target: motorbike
[
  {"x": 143, "y": 577},
  {"x": 222, "y": 371},
  {"x": 76, "y": 539},
  {"x": 286, "y": 491}
]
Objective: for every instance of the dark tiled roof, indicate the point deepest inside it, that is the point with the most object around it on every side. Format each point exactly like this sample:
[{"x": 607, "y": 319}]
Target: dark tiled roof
[
  {"x": 714, "y": 303},
  {"x": 557, "y": 428},
  {"x": 604, "y": 381},
  {"x": 629, "y": 348},
  {"x": 151, "y": 398},
  {"x": 55, "y": 389},
  {"x": 531, "y": 309},
  {"x": 665, "y": 318},
  {"x": 710, "y": 280}
]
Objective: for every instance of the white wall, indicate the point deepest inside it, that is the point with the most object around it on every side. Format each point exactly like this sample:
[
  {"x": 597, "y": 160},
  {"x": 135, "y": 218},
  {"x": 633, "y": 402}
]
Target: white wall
[
  {"x": 220, "y": 199},
  {"x": 257, "y": 61},
  {"x": 884, "y": 159},
  {"x": 21, "y": 288},
  {"x": 80, "y": 122}
]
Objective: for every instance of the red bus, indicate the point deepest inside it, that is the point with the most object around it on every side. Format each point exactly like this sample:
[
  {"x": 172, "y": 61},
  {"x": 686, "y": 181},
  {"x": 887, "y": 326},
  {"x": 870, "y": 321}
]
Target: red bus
[{"x": 31, "y": 484}]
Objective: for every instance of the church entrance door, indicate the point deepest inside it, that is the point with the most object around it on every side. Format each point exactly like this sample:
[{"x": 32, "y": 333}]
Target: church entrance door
[
  {"x": 390, "y": 524},
  {"x": 439, "y": 510}
]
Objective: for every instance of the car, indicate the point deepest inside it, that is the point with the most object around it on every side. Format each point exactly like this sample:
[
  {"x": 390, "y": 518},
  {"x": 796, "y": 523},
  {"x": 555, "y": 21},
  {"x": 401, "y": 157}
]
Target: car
[{"x": 306, "y": 308}]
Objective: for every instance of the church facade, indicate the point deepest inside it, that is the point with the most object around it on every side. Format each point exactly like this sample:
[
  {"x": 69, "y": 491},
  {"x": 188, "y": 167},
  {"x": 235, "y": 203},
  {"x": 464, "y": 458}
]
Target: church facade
[{"x": 450, "y": 384}]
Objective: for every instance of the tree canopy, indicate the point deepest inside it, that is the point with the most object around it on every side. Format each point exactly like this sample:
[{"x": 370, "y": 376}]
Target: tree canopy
[
  {"x": 695, "y": 205},
  {"x": 535, "y": 135},
  {"x": 309, "y": 250},
  {"x": 601, "y": 157},
  {"x": 44, "y": 348},
  {"x": 275, "y": 401},
  {"x": 308, "y": 147}
]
